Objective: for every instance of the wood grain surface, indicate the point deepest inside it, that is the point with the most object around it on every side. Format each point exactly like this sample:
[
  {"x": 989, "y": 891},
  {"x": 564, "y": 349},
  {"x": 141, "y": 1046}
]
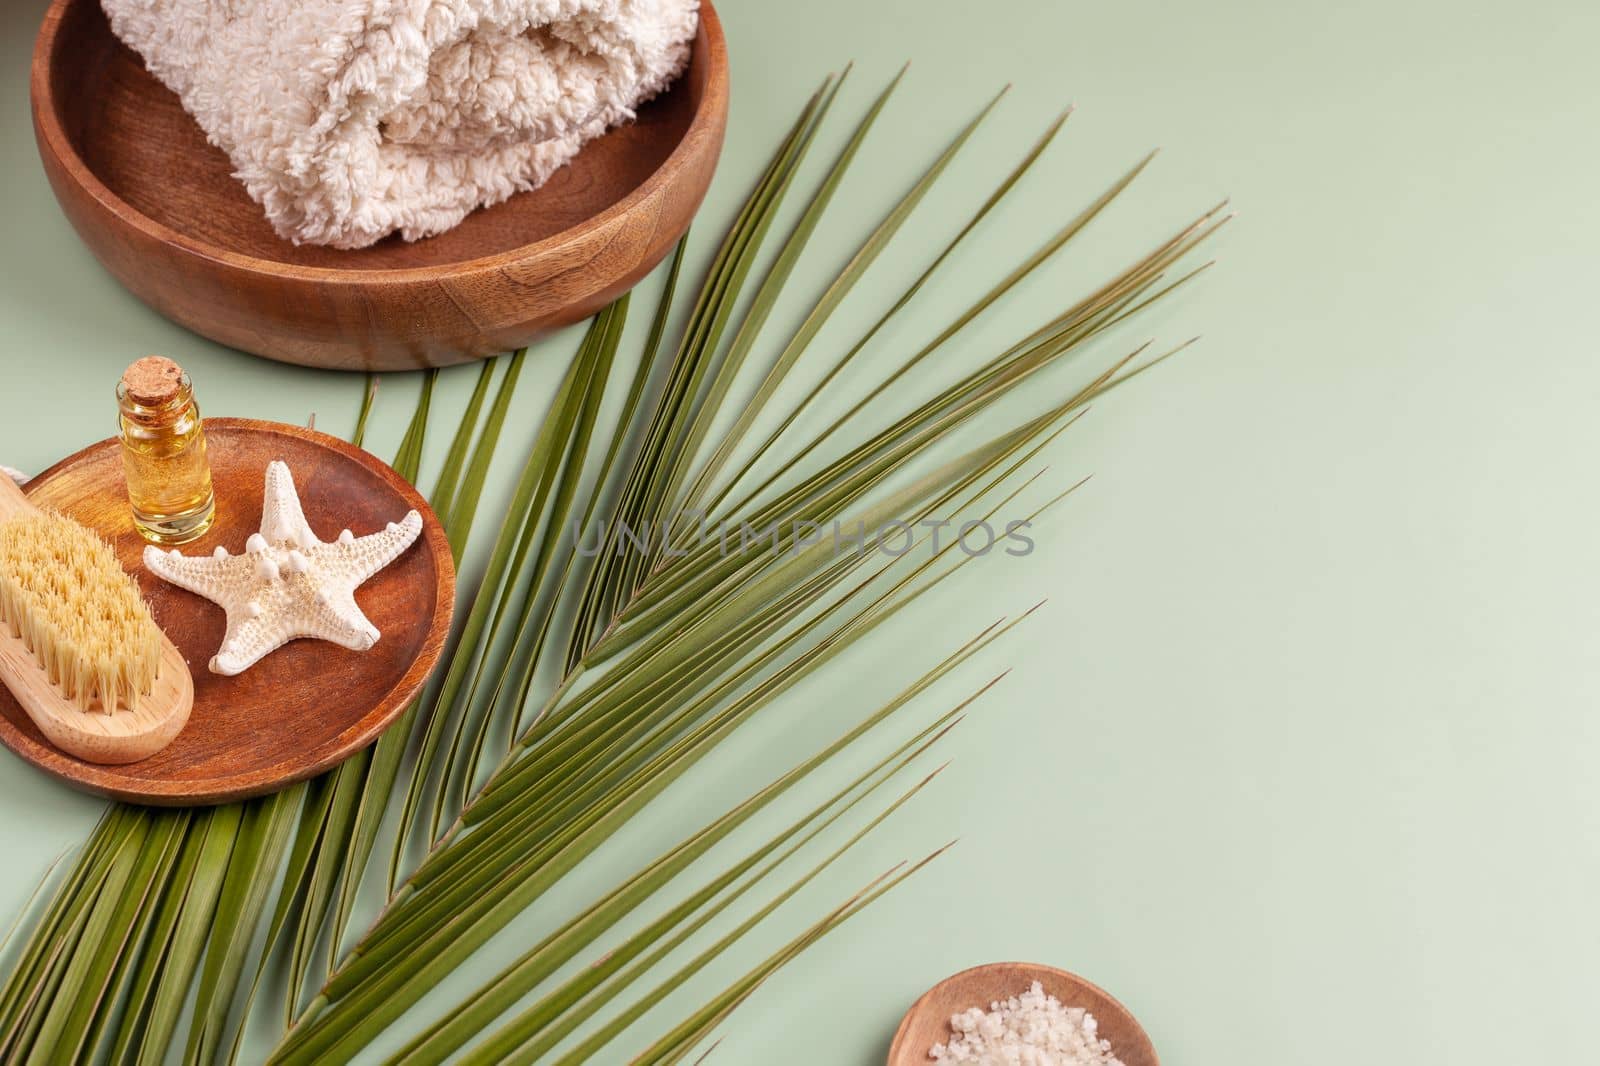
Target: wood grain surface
[
  {"x": 308, "y": 705},
  {"x": 160, "y": 209},
  {"x": 928, "y": 1021}
]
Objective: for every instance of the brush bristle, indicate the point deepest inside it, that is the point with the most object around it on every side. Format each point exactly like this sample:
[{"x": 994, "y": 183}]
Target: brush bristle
[{"x": 63, "y": 592}]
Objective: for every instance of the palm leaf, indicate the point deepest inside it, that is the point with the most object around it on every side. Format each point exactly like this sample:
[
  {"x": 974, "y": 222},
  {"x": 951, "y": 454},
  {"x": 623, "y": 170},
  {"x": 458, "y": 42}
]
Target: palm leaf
[
  {"x": 680, "y": 1041},
  {"x": 191, "y": 932},
  {"x": 545, "y": 1023},
  {"x": 590, "y": 674},
  {"x": 252, "y": 870}
]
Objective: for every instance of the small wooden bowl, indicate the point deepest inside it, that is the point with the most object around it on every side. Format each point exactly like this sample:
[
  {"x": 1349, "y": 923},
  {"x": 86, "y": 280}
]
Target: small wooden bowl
[
  {"x": 928, "y": 1021},
  {"x": 308, "y": 705},
  {"x": 159, "y": 208}
]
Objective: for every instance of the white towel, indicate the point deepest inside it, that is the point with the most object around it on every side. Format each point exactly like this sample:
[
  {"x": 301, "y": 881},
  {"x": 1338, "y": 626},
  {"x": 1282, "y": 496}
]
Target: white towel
[{"x": 349, "y": 120}]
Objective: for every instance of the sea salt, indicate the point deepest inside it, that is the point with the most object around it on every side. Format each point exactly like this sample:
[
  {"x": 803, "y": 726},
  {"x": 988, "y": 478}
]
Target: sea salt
[{"x": 1032, "y": 1029}]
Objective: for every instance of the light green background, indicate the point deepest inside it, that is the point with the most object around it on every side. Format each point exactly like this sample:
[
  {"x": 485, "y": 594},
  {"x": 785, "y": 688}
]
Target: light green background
[{"x": 1299, "y": 759}]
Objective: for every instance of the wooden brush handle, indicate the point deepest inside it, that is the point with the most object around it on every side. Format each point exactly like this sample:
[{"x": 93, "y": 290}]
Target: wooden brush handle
[
  {"x": 12, "y": 502},
  {"x": 126, "y": 736}
]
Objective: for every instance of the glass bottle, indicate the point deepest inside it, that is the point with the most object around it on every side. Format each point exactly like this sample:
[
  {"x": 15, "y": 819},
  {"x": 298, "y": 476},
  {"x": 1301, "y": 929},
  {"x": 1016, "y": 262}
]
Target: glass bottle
[{"x": 164, "y": 452}]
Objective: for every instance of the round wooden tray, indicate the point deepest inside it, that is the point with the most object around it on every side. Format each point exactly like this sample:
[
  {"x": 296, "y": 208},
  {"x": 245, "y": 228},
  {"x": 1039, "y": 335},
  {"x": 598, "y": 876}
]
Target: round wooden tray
[
  {"x": 308, "y": 705},
  {"x": 159, "y": 208},
  {"x": 928, "y": 1021}
]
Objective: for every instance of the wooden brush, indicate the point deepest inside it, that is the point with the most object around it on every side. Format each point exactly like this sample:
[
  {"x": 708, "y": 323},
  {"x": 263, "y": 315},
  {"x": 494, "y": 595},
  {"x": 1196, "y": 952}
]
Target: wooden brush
[{"x": 78, "y": 647}]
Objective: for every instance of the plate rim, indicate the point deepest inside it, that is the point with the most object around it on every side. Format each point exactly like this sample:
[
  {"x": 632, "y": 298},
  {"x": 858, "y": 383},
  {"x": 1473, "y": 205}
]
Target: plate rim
[{"x": 103, "y": 780}]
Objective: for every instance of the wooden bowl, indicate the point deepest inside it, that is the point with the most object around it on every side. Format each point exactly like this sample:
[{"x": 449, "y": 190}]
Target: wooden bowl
[
  {"x": 159, "y": 208},
  {"x": 308, "y": 705},
  {"x": 928, "y": 1021}
]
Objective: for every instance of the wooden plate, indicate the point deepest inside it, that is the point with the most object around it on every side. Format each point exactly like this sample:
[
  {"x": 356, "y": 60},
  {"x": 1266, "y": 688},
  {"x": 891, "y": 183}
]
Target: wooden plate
[
  {"x": 158, "y": 206},
  {"x": 308, "y": 705},
  {"x": 928, "y": 1021}
]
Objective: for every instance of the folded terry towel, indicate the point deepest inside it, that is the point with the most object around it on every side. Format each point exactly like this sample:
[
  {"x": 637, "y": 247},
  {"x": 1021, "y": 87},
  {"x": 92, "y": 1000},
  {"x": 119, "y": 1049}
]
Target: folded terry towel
[{"x": 349, "y": 120}]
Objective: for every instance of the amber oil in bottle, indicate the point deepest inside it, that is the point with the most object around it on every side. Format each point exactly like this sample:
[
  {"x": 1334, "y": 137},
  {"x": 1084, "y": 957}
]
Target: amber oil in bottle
[{"x": 164, "y": 452}]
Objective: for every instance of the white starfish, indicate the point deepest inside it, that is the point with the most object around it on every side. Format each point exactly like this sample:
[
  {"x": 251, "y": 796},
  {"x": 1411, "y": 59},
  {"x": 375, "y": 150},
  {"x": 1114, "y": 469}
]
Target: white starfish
[{"x": 288, "y": 583}]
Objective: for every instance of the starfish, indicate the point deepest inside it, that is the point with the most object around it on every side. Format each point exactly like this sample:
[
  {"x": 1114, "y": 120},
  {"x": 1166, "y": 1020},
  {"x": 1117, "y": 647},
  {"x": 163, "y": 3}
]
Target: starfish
[{"x": 287, "y": 584}]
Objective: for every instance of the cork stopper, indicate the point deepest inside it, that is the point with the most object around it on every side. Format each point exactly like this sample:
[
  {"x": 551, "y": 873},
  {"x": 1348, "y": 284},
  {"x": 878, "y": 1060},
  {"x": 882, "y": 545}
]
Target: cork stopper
[{"x": 153, "y": 380}]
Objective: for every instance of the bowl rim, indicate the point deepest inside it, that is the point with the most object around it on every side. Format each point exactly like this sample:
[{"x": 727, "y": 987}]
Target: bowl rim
[
  {"x": 47, "y": 122},
  {"x": 1036, "y": 969}
]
